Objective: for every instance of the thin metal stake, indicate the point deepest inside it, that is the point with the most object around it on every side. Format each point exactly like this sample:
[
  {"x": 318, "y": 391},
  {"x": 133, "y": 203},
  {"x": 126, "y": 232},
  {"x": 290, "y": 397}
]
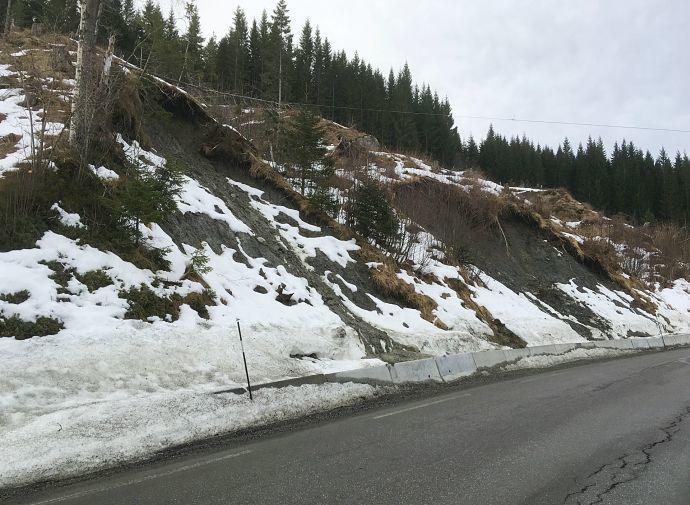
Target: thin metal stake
[{"x": 244, "y": 358}]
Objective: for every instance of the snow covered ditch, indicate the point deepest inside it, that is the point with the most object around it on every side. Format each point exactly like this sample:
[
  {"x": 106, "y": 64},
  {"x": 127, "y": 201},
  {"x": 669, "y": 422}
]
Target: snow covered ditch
[
  {"x": 104, "y": 434},
  {"x": 550, "y": 360}
]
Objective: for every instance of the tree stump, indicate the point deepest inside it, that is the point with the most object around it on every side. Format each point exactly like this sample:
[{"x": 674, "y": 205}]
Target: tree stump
[
  {"x": 60, "y": 60},
  {"x": 37, "y": 29}
]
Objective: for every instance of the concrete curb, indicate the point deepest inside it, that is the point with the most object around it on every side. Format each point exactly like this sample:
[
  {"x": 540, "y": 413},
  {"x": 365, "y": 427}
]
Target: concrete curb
[
  {"x": 372, "y": 375},
  {"x": 455, "y": 366},
  {"x": 298, "y": 381}
]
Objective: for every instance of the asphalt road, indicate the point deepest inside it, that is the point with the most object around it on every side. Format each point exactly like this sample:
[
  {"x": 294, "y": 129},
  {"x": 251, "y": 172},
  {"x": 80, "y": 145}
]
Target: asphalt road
[{"x": 614, "y": 432}]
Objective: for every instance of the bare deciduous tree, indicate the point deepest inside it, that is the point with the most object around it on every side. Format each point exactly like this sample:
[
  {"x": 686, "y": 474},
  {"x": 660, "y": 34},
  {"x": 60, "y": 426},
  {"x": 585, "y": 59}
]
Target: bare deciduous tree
[
  {"x": 86, "y": 75},
  {"x": 8, "y": 15}
]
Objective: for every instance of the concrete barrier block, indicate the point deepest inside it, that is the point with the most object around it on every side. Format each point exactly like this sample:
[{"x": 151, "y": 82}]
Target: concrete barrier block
[
  {"x": 564, "y": 348},
  {"x": 538, "y": 350},
  {"x": 585, "y": 345},
  {"x": 370, "y": 375},
  {"x": 655, "y": 342},
  {"x": 488, "y": 359},
  {"x": 516, "y": 354},
  {"x": 639, "y": 343},
  {"x": 622, "y": 344},
  {"x": 422, "y": 370},
  {"x": 456, "y": 366},
  {"x": 676, "y": 340},
  {"x": 685, "y": 339}
]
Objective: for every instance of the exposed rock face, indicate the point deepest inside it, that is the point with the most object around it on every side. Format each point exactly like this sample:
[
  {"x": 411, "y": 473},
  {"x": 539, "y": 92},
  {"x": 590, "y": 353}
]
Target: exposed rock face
[
  {"x": 360, "y": 144},
  {"x": 224, "y": 143},
  {"x": 368, "y": 142}
]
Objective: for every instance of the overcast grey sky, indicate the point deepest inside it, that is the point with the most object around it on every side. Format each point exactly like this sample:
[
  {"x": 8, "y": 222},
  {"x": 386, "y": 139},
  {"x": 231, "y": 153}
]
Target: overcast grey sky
[{"x": 608, "y": 61}]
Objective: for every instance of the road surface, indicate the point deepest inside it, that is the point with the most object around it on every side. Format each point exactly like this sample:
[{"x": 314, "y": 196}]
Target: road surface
[{"x": 614, "y": 432}]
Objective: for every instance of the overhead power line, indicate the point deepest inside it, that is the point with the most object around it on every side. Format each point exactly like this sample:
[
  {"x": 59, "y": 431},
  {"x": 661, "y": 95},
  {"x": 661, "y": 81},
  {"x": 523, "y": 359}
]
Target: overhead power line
[
  {"x": 454, "y": 115},
  {"x": 573, "y": 123}
]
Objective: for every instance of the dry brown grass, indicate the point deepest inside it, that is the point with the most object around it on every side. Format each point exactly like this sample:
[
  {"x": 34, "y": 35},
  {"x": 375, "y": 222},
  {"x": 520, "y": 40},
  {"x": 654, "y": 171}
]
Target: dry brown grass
[
  {"x": 40, "y": 53},
  {"x": 501, "y": 334},
  {"x": 38, "y": 75},
  {"x": 592, "y": 253},
  {"x": 474, "y": 175},
  {"x": 8, "y": 145},
  {"x": 560, "y": 204},
  {"x": 409, "y": 163},
  {"x": 454, "y": 216},
  {"x": 386, "y": 280},
  {"x": 332, "y": 131}
]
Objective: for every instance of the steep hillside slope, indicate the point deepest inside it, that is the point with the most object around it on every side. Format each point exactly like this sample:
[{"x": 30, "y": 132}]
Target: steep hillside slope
[
  {"x": 327, "y": 293},
  {"x": 123, "y": 321}
]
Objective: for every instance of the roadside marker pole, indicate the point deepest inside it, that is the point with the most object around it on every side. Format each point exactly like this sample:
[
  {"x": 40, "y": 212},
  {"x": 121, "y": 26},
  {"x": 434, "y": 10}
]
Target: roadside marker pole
[{"x": 244, "y": 358}]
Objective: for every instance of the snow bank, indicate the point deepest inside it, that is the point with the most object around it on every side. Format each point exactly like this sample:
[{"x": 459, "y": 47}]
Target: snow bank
[
  {"x": 546, "y": 361},
  {"x": 104, "y": 434},
  {"x": 674, "y": 307}
]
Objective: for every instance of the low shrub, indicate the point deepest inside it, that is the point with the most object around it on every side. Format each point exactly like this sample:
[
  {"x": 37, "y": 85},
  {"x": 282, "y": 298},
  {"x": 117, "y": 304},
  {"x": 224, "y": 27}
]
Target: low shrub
[
  {"x": 15, "y": 327},
  {"x": 200, "y": 302},
  {"x": 144, "y": 303},
  {"x": 16, "y": 298},
  {"x": 94, "y": 280},
  {"x": 61, "y": 274}
]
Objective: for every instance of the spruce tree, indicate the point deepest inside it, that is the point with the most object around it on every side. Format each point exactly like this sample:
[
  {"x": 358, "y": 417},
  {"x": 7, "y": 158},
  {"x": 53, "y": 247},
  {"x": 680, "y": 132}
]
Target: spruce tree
[
  {"x": 371, "y": 214},
  {"x": 210, "y": 58},
  {"x": 192, "y": 68},
  {"x": 255, "y": 64},
  {"x": 304, "y": 61},
  {"x": 279, "y": 54},
  {"x": 307, "y": 153},
  {"x": 238, "y": 39}
]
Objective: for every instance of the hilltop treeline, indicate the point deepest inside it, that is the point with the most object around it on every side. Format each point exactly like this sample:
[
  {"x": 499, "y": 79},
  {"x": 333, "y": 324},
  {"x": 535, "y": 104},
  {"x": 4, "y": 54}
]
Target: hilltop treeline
[
  {"x": 628, "y": 181},
  {"x": 264, "y": 59}
]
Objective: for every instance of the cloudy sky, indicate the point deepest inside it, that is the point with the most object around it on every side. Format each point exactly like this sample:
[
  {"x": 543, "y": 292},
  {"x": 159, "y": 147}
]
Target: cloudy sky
[{"x": 616, "y": 62}]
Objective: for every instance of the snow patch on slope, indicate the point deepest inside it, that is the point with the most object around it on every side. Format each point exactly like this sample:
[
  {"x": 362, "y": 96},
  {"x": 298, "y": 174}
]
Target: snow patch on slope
[{"x": 521, "y": 315}]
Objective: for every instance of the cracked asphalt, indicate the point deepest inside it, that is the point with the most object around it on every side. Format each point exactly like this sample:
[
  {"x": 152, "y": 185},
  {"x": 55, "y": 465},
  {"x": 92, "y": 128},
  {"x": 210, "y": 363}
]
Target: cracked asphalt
[{"x": 613, "y": 432}]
